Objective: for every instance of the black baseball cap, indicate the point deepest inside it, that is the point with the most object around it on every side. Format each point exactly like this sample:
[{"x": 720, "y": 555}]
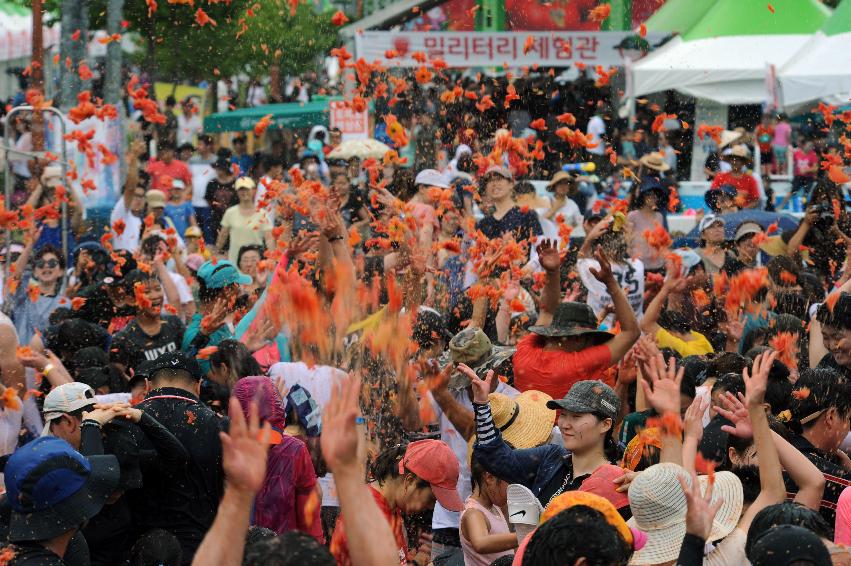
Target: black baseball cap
[{"x": 177, "y": 360}]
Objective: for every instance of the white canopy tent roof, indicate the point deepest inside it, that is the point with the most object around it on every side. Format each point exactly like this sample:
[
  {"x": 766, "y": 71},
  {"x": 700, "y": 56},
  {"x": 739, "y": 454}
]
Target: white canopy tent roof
[
  {"x": 728, "y": 70},
  {"x": 725, "y": 55},
  {"x": 821, "y": 70}
]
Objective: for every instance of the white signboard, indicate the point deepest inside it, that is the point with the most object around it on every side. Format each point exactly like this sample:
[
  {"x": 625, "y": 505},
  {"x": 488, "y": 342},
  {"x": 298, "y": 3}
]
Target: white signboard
[
  {"x": 494, "y": 49},
  {"x": 354, "y": 125}
]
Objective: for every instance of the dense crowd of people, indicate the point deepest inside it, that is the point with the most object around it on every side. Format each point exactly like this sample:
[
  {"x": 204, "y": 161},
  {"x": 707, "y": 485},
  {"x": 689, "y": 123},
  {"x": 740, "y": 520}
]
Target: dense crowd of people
[{"x": 286, "y": 357}]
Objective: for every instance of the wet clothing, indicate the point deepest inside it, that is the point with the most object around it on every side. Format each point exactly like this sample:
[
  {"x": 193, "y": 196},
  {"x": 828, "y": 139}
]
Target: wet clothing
[{"x": 183, "y": 500}]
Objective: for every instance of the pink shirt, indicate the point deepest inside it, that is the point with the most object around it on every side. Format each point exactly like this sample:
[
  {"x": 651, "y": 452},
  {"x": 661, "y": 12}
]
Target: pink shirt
[
  {"x": 497, "y": 525},
  {"x": 805, "y": 161},
  {"x": 842, "y": 532},
  {"x": 782, "y": 134}
]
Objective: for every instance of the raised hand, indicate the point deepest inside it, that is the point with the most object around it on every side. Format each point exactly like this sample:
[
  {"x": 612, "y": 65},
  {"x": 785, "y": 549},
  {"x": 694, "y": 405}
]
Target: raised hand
[
  {"x": 258, "y": 334},
  {"x": 604, "y": 274},
  {"x": 734, "y": 410},
  {"x": 628, "y": 368},
  {"x": 548, "y": 255},
  {"x": 701, "y": 509},
  {"x": 244, "y": 449},
  {"x": 600, "y": 228},
  {"x": 340, "y": 436},
  {"x": 664, "y": 393},
  {"x": 693, "y": 424},
  {"x": 216, "y": 319},
  {"x": 757, "y": 382},
  {"x": 481, "y": 387},
  {"x": 303, "y": 242}
]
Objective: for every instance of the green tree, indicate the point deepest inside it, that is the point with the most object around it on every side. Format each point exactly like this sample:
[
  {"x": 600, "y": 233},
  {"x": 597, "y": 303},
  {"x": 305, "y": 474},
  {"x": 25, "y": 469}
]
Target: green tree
[
  {"x": 250, "y": 35},
  {"x": 291, "y": 42}
]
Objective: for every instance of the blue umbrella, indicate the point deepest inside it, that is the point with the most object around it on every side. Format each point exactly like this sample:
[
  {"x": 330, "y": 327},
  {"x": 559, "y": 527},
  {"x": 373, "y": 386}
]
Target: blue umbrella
[{"x": 733, "y": 220}]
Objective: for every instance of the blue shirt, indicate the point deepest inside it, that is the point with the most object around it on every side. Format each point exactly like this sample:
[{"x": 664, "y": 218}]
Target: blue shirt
[
  {"x": 180, "y": 215},
  {"x": 244, "y": 161}
]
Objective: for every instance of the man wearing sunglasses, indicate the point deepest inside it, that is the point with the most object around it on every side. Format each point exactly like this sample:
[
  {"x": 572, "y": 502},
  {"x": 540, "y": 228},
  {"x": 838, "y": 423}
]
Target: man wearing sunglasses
[{"x": 38, "y": 288}]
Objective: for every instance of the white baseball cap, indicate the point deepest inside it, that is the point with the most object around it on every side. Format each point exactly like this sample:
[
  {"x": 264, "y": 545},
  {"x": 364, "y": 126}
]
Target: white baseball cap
[
  {"x": 64, "y": 399},
  {"x": 431, "y": 178}
]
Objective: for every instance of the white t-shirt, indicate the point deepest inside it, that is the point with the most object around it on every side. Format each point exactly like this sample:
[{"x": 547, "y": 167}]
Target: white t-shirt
[
  {"x": 202, "y": 173},
  {"x": 256, "y": 95},
  {"x": 570, "y": 210},
  {"x": 18, "y": 161},
  {"x": 188, "y": 128},
  {"x": 317, "y": 379},
  {"x": 183, "y": 289},
  {"x": 630, "y": 278},
  {"x": 596, "y": 131},
  {"x": 443, "y": 519},
  {"x": 129, "y": 239}
]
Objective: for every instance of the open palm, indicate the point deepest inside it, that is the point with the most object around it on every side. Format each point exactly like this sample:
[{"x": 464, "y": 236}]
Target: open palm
[
  {"x": 244, "y": 449},
  {"x": 340, "y": 437}
]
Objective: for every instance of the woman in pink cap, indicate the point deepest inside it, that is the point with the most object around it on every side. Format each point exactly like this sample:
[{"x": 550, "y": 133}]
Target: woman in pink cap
[{"x": 407, "y": 480}]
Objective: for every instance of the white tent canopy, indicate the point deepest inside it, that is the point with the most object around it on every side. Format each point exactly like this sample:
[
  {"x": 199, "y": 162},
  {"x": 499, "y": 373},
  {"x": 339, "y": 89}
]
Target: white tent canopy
[
  {"x": 728, "y": 70},
  {"x": 821, "y": 70}
]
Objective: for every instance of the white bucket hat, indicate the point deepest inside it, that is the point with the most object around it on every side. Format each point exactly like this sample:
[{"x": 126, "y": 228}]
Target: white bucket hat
[{"x": 658, "y": 507}]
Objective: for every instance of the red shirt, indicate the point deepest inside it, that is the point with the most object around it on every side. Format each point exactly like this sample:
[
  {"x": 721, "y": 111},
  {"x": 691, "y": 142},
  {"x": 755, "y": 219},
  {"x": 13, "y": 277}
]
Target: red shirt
[
  {"x": 764, "y": 136},
  {"x": 175, "y": 170},
  {"x": 340, "y": 543},
  {"x": 745, "y": 185},
  {"x": 555, "y": 371}
]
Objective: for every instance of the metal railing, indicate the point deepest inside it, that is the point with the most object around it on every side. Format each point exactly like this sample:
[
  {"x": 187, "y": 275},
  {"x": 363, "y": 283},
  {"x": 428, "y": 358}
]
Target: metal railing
[{"x": 8, "y": 133}]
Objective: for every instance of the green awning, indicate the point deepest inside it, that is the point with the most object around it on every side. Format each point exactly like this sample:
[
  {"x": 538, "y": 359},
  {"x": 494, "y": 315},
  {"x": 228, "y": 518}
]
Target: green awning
[
  {"x": 677, "y": 16},
  {"x": 288, "y": 115},
  {"x": 840, "y": 20},
  {"x": 753, "y": 17}
]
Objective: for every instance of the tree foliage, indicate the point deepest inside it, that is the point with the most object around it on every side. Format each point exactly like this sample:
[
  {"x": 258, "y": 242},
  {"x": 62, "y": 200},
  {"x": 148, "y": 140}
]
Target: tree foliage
[
  {"x": 291, "y": 41},
  {"x": 249, "y": 35}
]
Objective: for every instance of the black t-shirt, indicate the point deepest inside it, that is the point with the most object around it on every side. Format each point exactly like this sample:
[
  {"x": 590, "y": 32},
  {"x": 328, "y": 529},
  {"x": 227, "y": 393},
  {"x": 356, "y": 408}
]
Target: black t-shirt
[
  {"x": 32, "y": 554},
  {"x": 523, "y": 225},
  {"x": 827, "y": 256},
  {"x": 220, "y": 197},
  {"x": 829, "y": 362},
  {"x": 352, "y": 207},
  {"x": 558, "y": 480},
  {"x": 132, "y": 345}
]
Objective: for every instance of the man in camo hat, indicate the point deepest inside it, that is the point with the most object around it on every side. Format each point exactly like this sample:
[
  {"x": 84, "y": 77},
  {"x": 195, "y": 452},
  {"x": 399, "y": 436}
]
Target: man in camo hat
[{"x": 473, "y": 348}]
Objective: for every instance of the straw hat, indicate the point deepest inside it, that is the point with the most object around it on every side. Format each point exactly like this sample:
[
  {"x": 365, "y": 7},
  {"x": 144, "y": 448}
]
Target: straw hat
[
  {"x": 655, "y": 161},
  {"x": 773, "y": 246},
  {"x": 558, "y": 178},
  {"x": 659, "y": 509},
  {"x": 739, "y": 151},
  {"x": 524, "y": 422}
]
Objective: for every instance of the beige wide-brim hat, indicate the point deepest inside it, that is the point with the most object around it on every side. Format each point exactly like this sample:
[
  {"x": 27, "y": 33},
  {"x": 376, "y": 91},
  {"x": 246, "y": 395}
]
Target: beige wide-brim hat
[
  {"x": 523, "y": 422},
  {"x": 655, "y": 161},
  {"x": 658, "y": 507}
]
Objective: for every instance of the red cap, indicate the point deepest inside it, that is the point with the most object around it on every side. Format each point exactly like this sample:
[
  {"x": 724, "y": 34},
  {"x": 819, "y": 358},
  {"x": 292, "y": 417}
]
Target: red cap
[
  {"x": 434, "y": 462},
  {"x": 602, "y": 483}
]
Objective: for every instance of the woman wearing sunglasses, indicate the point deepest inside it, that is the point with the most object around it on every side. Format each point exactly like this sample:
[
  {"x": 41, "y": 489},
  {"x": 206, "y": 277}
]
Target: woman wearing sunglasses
[{"x": 36, "y": 288}]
